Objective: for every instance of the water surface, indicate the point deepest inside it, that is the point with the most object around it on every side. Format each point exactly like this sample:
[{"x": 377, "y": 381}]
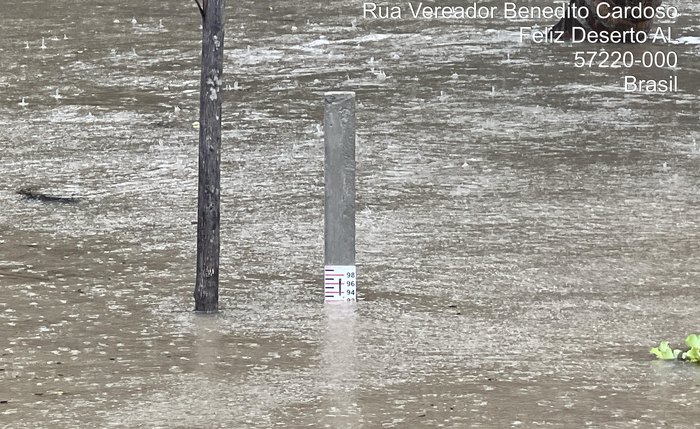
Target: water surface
[{"x": 525, "y": 230}]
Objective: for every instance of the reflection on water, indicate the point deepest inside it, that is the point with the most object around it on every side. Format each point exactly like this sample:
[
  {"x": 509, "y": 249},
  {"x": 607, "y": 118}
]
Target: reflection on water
[
  {"x": 526, "y": 232},
  {"x": 340, "y": 368}
]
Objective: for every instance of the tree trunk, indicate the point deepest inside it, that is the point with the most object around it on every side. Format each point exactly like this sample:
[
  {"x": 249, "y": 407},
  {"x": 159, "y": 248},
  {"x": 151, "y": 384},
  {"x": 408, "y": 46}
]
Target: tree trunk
[{"x": 206, "y": 292}]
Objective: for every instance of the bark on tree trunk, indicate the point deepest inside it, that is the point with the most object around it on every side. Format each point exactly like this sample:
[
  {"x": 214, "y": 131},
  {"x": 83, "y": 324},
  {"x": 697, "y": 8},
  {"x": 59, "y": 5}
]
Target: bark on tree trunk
[{"x": 206, "y": 292}]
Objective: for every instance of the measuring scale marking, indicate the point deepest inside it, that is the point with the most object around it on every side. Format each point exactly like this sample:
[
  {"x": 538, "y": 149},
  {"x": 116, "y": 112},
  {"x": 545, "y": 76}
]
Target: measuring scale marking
[{"x": 340, "y": 283}]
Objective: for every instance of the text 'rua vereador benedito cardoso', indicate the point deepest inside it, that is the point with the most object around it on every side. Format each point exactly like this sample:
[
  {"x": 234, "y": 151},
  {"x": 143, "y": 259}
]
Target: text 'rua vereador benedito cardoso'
[{"x": 514, "y": 11}]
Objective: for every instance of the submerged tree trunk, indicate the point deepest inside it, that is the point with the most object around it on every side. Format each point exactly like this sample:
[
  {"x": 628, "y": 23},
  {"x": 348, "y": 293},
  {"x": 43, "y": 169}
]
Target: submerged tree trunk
[
  {"x": 595, "y": 23},
  {"x": 206, "y": 292}
]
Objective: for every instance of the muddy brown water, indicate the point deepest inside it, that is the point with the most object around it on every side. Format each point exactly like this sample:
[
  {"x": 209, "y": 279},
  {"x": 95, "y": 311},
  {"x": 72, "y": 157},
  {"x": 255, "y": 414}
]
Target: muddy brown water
[{"x": 526, "y": 231}]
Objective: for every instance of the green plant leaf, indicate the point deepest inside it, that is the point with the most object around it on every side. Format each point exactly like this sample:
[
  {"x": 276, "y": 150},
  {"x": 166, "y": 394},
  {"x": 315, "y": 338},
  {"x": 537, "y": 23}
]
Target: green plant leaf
[
  {"x": 664, "y": 351},
  {"x": 693, "y": 341},
  {"x": 692, "y": 355}
]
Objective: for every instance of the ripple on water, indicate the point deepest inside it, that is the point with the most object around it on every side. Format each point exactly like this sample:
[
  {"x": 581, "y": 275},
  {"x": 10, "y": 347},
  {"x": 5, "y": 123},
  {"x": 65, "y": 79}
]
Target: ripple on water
[{"x": 525, "y": 231}]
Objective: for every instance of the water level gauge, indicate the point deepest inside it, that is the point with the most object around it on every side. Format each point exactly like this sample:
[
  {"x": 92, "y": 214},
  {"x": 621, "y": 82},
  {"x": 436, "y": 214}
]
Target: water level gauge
[{"x": 340, "y": 283}]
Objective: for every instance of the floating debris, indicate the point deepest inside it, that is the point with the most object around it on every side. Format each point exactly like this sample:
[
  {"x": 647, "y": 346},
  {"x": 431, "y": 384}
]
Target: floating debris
[{"x": 31, "y": 194}]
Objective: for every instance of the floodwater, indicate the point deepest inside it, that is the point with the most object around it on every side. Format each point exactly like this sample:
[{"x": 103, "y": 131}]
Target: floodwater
[{"x": 526, "y": 230}]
